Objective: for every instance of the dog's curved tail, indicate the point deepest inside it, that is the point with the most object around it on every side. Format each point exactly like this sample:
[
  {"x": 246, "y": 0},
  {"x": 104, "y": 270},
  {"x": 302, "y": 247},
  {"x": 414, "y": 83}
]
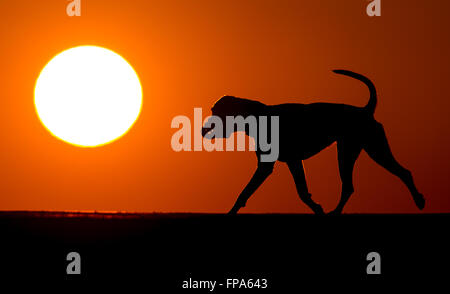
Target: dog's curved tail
[{"x": 370, "y": 107}]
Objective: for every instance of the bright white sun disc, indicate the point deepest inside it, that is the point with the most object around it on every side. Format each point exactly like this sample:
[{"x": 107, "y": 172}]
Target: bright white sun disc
[{"x": 88, "y": 96}]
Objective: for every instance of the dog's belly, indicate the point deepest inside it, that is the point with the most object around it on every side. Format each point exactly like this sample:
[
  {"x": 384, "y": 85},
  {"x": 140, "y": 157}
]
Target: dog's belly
[{"x": 307, "y": 146}]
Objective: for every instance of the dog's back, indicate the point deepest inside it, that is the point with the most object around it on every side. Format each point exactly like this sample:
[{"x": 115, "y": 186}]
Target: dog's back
[{"x": 306, "y": 129}]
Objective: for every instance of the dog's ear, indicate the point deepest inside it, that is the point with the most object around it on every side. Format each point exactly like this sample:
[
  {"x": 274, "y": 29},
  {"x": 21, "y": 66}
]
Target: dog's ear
[
  {"x": 233, "y": 106},
  {"x": 224, "y": 103},
  {"x": 222, "y": 99},
  {"x": 226, "y": 99}
]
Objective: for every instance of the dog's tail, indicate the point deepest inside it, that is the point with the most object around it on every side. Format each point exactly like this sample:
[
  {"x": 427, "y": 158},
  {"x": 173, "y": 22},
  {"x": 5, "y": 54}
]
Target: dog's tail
[{"x": 370, "y": 107}]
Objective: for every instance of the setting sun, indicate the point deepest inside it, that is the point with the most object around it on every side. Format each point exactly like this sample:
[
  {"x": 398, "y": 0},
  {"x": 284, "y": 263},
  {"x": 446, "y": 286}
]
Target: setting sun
[{"x": 88, "y": 96}]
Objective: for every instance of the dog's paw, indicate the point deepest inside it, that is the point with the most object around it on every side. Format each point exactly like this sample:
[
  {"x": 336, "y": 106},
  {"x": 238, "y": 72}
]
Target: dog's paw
[
  {"x": 420, "y": 201},
  {"x": 335, "y": 212},
  {"x": 318, "y": 210},
  {"x": 233, "y": 211}
]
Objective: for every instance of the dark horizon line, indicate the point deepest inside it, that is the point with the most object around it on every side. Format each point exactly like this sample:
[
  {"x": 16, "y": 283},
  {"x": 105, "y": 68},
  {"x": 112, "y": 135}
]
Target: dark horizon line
[{"x": 87, "y": 213}]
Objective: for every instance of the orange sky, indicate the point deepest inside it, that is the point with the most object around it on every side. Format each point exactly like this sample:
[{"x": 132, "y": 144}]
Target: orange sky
[{"x": 188, "y": 54}]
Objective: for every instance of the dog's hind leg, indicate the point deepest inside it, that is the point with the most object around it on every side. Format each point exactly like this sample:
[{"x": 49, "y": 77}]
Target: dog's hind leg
[
  {"x": 298, "y": 173},
  {"x": 377, "y": 147},
  {"x": 262, "y": 172},
  {"x": 348, "y": 151}
]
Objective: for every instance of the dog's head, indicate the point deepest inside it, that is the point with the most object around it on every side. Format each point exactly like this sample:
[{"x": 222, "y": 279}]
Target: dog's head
[
  {"x": 228, "y": 106},
  {"x": 220, "y": 110}
]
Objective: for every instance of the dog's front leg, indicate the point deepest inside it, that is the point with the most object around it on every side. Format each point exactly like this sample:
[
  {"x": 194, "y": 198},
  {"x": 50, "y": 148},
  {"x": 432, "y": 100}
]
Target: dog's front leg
[
  {"x": 262, "y": 172},
  {"x": 298, "y": 173}
]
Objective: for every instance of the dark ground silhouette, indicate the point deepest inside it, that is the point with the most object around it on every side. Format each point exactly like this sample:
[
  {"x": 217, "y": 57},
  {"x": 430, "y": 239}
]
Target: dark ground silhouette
[
  {"x": 160, "y": 250},
  {"x": 305, "y": 130}
]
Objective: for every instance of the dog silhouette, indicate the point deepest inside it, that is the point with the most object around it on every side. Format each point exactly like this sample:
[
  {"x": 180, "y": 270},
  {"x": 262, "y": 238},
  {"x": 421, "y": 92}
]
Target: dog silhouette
[{"x": 305, "y": 130}]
